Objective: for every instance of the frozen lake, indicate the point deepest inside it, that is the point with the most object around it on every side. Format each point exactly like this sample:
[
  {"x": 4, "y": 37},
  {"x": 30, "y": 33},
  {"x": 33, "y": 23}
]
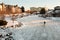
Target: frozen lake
[{"x": 33, "y": 28}]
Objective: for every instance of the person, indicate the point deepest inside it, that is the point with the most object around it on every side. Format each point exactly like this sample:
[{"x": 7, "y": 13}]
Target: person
[{"x": 44, "y": 22}]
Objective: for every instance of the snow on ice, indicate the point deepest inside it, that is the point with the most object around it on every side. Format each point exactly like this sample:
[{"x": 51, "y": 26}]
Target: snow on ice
[{"x": 33, "y": 28}]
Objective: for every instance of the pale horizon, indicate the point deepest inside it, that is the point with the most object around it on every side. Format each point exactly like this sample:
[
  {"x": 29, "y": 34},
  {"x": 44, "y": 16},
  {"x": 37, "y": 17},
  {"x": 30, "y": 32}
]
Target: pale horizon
[{"x": 33, "y": 3}]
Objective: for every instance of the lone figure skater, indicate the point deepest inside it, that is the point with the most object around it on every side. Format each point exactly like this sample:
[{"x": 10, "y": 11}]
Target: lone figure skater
[{"x": 44, "y": 22}]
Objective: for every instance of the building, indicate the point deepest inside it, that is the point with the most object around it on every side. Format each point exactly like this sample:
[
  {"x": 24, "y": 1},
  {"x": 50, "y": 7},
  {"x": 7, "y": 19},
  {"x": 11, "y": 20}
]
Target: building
[
  {"x": 35, "y": 8},
  {"x": 9, "y": 9},
  {"x": 2, "y": 8}
]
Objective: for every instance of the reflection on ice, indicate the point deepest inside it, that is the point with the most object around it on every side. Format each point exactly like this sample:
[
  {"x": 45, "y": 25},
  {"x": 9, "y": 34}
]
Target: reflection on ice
[
  {"x": 10, "y": 23},
  {"x": 13, "y": 24}
]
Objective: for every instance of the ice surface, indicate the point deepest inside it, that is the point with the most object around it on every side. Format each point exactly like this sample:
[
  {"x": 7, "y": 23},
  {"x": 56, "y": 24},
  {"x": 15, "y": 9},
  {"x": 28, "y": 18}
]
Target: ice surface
[{"x": 33, "y": 28}]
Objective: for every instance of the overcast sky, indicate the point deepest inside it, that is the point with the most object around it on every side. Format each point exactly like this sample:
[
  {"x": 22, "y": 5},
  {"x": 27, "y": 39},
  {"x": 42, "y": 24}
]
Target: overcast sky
[{"x": 31, "y": 3}]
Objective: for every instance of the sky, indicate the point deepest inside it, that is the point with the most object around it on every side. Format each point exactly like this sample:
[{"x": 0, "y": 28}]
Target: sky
[{"x": 33, "y": 3}]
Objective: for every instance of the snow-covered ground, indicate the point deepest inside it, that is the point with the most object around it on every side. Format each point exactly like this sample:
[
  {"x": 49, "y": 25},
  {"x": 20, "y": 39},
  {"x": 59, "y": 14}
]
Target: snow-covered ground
[{"x": 33, "y": 28}]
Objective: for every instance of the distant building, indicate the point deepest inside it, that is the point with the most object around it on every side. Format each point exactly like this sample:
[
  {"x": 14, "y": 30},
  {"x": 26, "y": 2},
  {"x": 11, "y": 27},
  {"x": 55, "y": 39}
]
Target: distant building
[
  {"x": 2, "y": 8},
  {"x": 35, "y": 8},
  {"x": 9, "y": 9}
]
